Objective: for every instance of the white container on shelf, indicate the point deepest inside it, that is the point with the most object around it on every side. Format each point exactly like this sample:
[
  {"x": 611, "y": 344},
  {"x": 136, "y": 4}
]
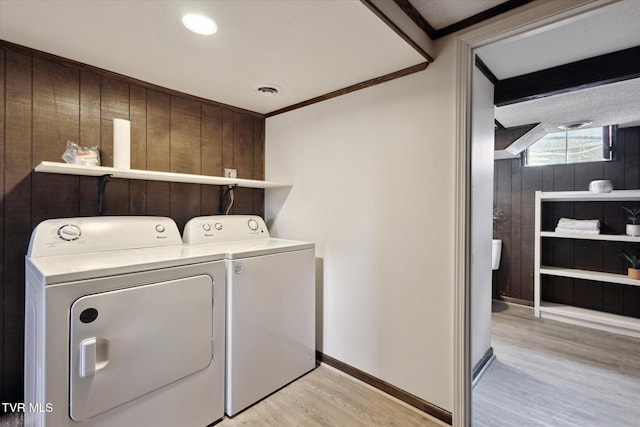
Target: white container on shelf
[
  {"x": 600, "y": 186},
  {"x": 633, "y": 229}
]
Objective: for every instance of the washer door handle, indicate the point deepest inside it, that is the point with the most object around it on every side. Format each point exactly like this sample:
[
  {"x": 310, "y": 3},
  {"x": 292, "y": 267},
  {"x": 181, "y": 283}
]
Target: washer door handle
[{"x": 93, "y": 356}]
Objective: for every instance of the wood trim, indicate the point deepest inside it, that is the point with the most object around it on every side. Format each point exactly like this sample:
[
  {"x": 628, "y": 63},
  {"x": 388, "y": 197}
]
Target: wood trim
[
  {"x": 421, "y": 21},
  {"x": 488, "y": 355},
  {"x": 518, "y": 301},
  {"x": 416, "y": 17},
  {"x": 390, "y": 389},
  {"x": 480, "y": 65},
  {"x": 404, "y": 26},
  {"x": 599, "y": 70},
  {"x": 462, "y": 233},
  {"x": 479, "y": 17},
  {"x": 121, "y": 77},
  {"x": 353, "y": 88}
]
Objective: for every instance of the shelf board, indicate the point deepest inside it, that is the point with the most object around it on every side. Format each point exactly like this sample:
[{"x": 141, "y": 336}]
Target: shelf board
[
  {"x": 589, "y": 275},
  {"x": 592, "y": 318},
  {"x": 587, "y": 196},
  {"x": 67, "y": 169},
  {"x": 605, "y": 237}
]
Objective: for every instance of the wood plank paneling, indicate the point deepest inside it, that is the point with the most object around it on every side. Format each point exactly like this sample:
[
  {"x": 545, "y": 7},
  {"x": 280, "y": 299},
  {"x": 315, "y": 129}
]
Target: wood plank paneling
[
  {"x": 55, "y": 118},
  {"x": 185, "y": 157},
  {"x": 17, "y": 217},
  {"x": 90, "y": 135},
  {"x": 243, "y": 161},
  {"x": 138, "y": 117},
  {"x": 211, "y": 160},
  {"x": 45, "y": 101},
  {"x": 115, "y": 105},
  {"x": 516, "y": 232},
  {"x": 158, "y": 151},
  {"x": 5, "y": 391},
  {"x": 258, "y": 164}
]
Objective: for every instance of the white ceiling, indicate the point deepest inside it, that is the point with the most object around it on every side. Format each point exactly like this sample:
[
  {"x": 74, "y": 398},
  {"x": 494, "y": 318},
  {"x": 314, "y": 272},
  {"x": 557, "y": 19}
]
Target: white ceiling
[
  {"x": 308, "y": 48},
  {"x": 605, "y": 30},
  {"x": 311, "y": 48}
]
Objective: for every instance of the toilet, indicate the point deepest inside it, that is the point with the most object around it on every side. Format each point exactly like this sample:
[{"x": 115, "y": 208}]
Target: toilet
[{"x": 496, "y": 249}]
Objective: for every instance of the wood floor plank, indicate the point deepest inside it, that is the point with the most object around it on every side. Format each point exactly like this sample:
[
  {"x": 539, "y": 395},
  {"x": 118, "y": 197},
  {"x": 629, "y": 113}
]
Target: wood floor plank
[
  {"x": 327, "y": 397},
  {"x": 549, "y": 373}
]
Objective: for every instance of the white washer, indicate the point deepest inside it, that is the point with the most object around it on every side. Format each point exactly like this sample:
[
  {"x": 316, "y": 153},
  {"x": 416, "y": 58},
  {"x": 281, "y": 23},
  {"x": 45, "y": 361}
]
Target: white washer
[
  {"x": 123, "y": 325},
  {"x": 270, "y": 305}
]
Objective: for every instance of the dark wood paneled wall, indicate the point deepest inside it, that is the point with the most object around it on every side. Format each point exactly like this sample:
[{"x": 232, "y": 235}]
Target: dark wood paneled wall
[
  {"x": 514, "y": 189},
  {"x": 44, "y": 102}
]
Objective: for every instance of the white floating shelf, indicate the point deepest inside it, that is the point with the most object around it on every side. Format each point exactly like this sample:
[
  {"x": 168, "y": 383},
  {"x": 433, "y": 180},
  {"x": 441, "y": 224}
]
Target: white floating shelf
[
  {"x": 589, "y": 275},
  {"x": 587, "y": 196},
  {"x": 604, "y": 237},
  {"x": 591, "y": 318},
  {"x": 67, "y": 169}
]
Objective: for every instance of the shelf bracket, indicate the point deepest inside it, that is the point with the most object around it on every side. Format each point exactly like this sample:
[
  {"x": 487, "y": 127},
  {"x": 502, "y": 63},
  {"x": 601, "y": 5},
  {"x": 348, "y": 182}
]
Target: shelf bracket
[{"x": 102, "y": 182}]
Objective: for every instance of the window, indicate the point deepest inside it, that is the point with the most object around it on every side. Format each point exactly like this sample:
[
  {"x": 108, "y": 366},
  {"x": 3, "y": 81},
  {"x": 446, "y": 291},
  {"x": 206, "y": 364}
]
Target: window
[{"x": 572, "y": 146}]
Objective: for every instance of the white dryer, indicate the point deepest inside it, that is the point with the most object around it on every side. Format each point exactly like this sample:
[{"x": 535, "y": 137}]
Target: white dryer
[
  {"x": 270, "y": 305},
  {"x": 123, "y": 325}
]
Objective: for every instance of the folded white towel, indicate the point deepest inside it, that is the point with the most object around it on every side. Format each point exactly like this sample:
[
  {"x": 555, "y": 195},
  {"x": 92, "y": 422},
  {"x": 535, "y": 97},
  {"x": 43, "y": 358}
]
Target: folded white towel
[
  {"x": 576, "y": 231},
  {"x": 579, "y": 224}
]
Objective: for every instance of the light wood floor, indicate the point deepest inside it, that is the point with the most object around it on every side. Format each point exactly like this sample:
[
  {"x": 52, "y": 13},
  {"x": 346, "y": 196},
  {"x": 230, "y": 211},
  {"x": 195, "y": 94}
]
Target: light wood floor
[
  {"x": 327, "y": 397},
  {"x": 549, "y": 373},
  {"x": 323, "y": 397}
]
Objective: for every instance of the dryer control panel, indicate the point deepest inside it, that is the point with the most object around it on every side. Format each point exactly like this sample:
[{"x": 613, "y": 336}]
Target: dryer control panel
[
  {"x": 69, "y": 236},
  {"x": 224, "y": 228}
]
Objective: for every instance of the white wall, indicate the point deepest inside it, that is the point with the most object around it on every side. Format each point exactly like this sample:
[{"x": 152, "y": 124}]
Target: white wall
[
  {"x": 372, "y": 175},
  {"x": 482, "y": 147}
]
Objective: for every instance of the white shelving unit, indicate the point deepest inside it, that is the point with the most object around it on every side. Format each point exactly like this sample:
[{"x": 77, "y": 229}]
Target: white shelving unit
[
  {"x": 591, "y": 318},
  {"x": 98, "y": 171}
]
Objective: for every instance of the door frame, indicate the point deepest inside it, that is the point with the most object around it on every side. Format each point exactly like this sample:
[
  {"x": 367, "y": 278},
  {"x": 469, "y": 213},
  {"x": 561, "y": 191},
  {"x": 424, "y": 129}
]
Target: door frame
[{"x": 520, "y": 22}]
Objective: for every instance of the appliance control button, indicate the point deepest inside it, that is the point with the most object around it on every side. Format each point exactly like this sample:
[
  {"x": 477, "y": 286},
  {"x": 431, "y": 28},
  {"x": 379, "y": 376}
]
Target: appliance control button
[
  {"x": 253, "y": 224},
  {"x": 218, "y": 226},
  {"x": 69, "y": 232},
  {"x": 206, "y": 226},
  {"x": 160, "y": 228}
]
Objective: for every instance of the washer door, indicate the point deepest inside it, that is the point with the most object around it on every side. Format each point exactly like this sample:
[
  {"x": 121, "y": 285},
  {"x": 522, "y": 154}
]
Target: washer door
[{"x": 129, "y": 342}]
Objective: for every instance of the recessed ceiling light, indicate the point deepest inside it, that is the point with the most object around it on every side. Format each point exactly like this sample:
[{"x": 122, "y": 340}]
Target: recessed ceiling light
[
  {"x": 199, "y": 24},
  {"x": 576, "y": 125},
  {"x": 268, "y": 89}
]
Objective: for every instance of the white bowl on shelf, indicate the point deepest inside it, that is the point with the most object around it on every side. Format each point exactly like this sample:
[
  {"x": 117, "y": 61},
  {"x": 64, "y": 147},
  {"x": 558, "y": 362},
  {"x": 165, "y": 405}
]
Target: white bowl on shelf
[{"x": 600, "y": 186}]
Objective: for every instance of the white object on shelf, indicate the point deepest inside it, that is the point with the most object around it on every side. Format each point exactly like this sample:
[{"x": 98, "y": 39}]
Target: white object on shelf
[
  {"x": 496, "y": 250},
  {"x": 591, "y": 318},
  {"x": 633, "y": 230},
  {"x": 600, "y": 186},
  {"x": 66, "y": 169},
  {"x": 121, "y": 144}
]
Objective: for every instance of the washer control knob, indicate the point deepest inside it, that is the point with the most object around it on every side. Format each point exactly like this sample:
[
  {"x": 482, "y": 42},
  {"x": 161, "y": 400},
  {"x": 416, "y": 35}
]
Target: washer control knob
[
  {"x": 69, "y": 232},
  {"x": 218, "y": 226},
  {"x": 253, "y": 224},
  {"x": 206, "y": 226},
  {"x": 160, "y": 228}
]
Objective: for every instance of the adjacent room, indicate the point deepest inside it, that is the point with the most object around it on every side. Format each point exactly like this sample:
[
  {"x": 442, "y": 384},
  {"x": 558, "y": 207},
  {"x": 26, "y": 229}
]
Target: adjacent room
[{"x": 565, "y": 321}]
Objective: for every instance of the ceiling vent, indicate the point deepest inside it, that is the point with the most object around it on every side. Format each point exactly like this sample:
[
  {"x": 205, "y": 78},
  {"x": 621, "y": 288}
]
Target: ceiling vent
[
  {"x": 576, "y": 125},
  {"x": 268, "y": 89}
]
